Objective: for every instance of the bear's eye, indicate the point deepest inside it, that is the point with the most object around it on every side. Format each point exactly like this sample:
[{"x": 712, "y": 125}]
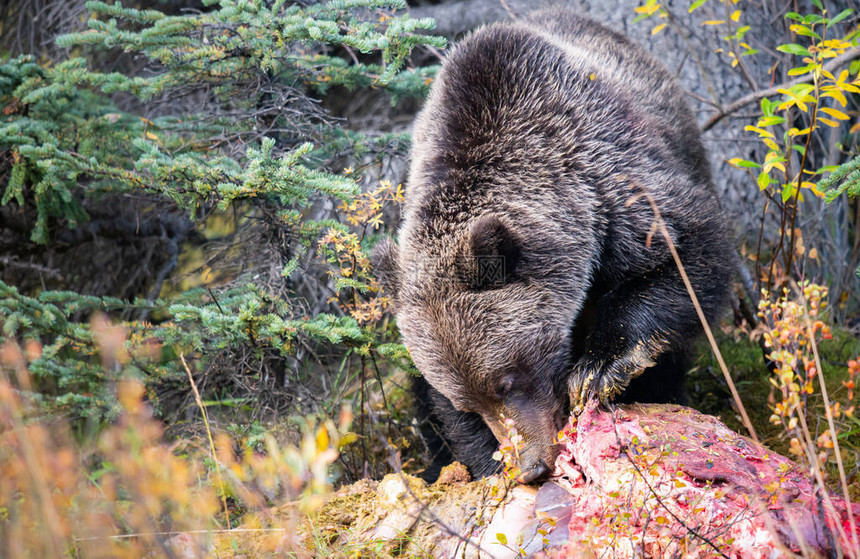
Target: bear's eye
[{"x": 505, "y": 387}]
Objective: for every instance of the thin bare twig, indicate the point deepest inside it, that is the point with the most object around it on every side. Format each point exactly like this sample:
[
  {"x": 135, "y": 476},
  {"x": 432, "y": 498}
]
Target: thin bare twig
[
  {"x": 13, "y": 262},
  {"x": 209, "y": 435},
  {"x": 511, "y": 13},
  {"x": 689, "y": 529},
  {"x": 822, "y": 493},
  {"x": 707, "y": 328},
  {"x": 833, "y": 434},
  {"x": 179, "y": 533}
]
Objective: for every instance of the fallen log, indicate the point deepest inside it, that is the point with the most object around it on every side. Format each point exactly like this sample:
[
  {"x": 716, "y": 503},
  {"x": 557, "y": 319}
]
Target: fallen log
[{"x": 640, "y": 480}]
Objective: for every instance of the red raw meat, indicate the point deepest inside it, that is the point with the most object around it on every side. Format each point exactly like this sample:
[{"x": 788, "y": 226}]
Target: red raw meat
[{"x": 664, "y": 481}]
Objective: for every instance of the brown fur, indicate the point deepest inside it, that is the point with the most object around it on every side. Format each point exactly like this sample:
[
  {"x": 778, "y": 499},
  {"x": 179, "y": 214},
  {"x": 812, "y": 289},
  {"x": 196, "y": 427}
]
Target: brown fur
[{"x": 534, "y": 139}]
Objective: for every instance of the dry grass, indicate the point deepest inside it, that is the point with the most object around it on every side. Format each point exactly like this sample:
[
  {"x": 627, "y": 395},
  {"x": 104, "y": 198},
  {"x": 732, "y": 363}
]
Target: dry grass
[{"x": 130, "y": 493}]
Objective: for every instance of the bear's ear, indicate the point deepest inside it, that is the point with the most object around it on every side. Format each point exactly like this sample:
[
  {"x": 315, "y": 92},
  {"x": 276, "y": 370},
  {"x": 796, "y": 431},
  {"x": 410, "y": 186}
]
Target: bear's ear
[
  {"x": 386, "y": 268},
  {"x": 495, "y": 251}
]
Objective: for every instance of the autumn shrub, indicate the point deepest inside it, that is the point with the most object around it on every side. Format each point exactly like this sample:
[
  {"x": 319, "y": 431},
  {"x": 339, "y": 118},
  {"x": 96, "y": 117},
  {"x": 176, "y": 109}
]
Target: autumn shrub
[
  {"x": 130, "y": 492},
  {"x": 792, "y": 328}
]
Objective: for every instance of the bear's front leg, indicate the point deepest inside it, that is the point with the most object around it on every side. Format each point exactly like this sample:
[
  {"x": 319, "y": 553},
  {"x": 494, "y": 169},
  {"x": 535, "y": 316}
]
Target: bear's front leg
[
  {"x": 636, "y": 322},
  {"x": 607, "y": 377}
]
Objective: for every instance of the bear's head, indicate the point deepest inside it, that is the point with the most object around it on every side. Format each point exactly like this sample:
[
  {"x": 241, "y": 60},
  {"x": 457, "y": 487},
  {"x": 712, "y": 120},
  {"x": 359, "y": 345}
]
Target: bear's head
[{"x": 486, "y": 332}]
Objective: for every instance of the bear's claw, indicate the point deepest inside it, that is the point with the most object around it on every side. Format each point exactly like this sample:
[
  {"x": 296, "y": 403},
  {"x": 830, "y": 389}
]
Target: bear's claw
[{"x": 604, "y": 381}]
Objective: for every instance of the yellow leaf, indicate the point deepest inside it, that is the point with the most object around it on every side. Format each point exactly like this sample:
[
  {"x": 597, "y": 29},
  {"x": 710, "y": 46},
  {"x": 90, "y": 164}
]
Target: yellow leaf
[
  {"x": 736, "y": 15},
  {"x": 348, "y": 439},
  {"x": 835, "y": 44},
  {"x": 828, "y": 122},
  {"x": 772, "y": 161},
  {"x": 836, "y": 94},
  {"x": 794, "y": 101},
  {"x": 773, "y": 165},
  {"x": 761, "y": 131},
  {"x": 811, "y": 186},
  {"x": 151, "y": 136},
  {"x": 322, "y": 439},
  {"x": 835, "y": 113},
  {"x": 658, "y": 28},
  {"x": 647, "y": 9},
  {"x": 771, "y": 144},
  {"x": 854, "y": 128},
  {"x": 714, "y": 22}
]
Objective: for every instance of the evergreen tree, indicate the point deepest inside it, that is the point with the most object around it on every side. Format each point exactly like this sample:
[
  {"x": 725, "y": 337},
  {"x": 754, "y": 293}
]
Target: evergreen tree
[{"x": 223, "y": 121}]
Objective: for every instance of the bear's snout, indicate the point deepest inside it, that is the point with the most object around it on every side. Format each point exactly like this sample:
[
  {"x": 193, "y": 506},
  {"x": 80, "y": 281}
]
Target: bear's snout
[
  {"x": 535, "y": 473},
  {"x": 538, "y": 428}
]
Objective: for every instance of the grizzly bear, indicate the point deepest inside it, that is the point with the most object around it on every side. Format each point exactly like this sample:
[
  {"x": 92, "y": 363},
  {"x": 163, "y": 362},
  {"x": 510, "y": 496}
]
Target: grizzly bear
[{"x": 529, "y": 271}]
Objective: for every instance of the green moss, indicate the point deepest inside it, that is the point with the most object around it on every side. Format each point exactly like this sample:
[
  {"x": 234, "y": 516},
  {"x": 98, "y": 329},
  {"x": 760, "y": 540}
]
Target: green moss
[{"x": 707, "y": 390}]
